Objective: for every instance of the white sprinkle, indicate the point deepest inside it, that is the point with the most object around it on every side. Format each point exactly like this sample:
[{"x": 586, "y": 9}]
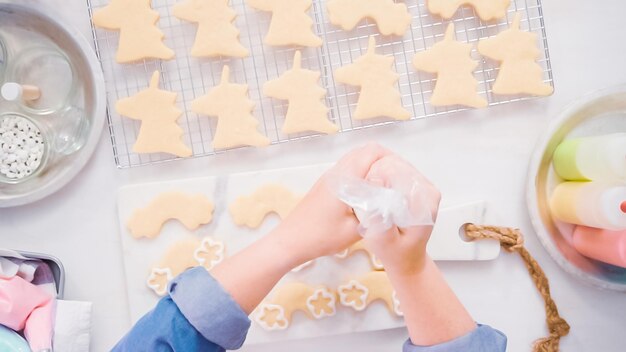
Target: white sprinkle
[{"x": 21, "y": 147}]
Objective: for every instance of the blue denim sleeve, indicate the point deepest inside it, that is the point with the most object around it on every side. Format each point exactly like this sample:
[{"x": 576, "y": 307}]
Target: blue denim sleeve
[
  {"x": 482, "y": 339},
  {"x": 198, "y": 315}
]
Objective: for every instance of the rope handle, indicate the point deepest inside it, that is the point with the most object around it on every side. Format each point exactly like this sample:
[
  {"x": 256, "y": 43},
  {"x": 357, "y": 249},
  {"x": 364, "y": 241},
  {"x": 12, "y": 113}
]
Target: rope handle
[{"x": 512, "y": 240}]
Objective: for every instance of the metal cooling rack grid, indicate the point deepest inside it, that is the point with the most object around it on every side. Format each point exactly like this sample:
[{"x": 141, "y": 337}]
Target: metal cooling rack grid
[{"x": 192, "y": 77}]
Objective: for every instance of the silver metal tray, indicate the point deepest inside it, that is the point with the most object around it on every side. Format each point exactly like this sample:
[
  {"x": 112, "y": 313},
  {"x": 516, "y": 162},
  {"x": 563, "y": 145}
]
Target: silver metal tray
[
  {"x": 598, "y": 113},
  {"x": 40, "y": 24},
  {"x": 58, "y": 271}
]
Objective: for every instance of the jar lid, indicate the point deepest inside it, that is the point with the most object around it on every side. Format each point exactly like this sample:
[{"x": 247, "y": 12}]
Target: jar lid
[{"x": 49, "y": 70}]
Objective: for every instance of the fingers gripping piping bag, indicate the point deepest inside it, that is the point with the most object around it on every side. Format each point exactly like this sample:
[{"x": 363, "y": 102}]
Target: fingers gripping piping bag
[{"x": 379, "y": 208}]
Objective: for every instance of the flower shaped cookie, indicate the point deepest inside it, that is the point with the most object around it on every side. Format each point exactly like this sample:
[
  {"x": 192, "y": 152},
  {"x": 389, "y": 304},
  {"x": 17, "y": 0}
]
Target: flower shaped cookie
[
  {"x": 271, "y": 317},
  {"x": 209, "y": 253},
  {"x": 354, "y": 295},
  {"x": 158, "y": 280}
]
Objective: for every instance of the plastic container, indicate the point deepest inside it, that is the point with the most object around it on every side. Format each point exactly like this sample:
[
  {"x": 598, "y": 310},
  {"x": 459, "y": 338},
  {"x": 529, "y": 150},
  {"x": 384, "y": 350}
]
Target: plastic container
[
  {"x": 58, "y": 271},
  {"x": 592, "y": 204},
  {"x": 599, "y": 113},
  {"x": 598, "y": 158}
]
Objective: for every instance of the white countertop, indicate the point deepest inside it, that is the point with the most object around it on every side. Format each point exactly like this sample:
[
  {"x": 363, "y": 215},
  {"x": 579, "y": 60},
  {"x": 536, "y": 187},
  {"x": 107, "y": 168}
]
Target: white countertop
[{"x": 470, "y": 156}]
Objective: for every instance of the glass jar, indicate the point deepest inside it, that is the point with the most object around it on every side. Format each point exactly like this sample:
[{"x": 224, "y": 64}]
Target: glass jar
[
  {"x": 3, "y": 58},
  {"x": 25, "y": 148},
  {"x": 51, "y": 71}
]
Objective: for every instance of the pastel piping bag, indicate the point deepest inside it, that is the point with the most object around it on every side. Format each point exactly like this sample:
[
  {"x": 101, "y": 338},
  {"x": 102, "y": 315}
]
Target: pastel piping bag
[
  {"x": 10, "y": 341},
  {"x": 24, "y": 306}
]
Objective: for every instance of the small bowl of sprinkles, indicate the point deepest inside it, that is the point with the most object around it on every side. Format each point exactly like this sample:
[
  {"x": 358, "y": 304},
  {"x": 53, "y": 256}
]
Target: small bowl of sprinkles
[{"x": 23, "y": 148}]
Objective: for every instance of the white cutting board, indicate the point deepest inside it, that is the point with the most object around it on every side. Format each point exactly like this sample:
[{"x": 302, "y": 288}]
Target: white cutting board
[{"x": 140, "y": 255}]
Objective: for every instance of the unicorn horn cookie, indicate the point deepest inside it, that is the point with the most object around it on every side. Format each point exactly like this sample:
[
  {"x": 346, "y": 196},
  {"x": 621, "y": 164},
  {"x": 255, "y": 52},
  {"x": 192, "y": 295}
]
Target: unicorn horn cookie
[
  {"x": 454, "y": 66},
  {"x": 236, "y": 126},
  {"x": 517, "y": 52},
  {"x": 290, "y": 24},
  {"x": 389, "y": 16},
  {"x": 379, "y": 95},
  {"x": 306, "y": 111},
  {"x": 156, "y": 109}
]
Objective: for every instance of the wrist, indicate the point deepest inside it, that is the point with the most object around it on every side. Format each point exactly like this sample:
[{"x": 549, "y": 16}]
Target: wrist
[
  {"x": 409, "y": 272},
  {"x": 285, "y": 248}
]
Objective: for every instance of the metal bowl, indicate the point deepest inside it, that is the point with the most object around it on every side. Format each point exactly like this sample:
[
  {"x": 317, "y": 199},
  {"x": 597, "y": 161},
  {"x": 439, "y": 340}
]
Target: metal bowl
[
  {"x": 598, "y": 113},
  {"x": 38, "y": 24}
]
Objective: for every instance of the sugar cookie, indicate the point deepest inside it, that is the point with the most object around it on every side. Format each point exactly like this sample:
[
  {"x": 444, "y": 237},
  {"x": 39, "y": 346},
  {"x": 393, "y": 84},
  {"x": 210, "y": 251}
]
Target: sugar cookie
[
  {"x": 217, "y": 35},
  {"x": 209, "y": 253},
  {"x": 277, "y": 312},
  {"x": 452, "y": 63},
  {"x": 306, "y": 111},
  {"x": 290, "y": 24},
  {"x": 272, "y": 198},
  {"x": 374, "y": 286},
  {"x": 156, "y": 109},
  {"x": 302, "y": 266},
  {"x": 390, "y": 17},
  {"x": 487, "y": 10},
  {"x": 236, "y": 126},
  {"x": 322, "y": 303},
  {"x": 180, "y": 256},
  {"x": 517, "y": 52},
  {"x": 139, "y": 36},
  {"x": 177, "y": 258},
  {"x": 360, "y": 247},
  {"x": 158, "y": 280},
  {"x": 379, "y": 94},
  {"x": 192, "y": 210}
]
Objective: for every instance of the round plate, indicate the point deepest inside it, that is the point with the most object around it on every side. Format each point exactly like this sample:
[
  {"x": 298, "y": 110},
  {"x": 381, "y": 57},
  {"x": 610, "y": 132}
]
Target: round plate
[
  {"x": 602, "y": 112},
  {"x": 42, "y": 24}
]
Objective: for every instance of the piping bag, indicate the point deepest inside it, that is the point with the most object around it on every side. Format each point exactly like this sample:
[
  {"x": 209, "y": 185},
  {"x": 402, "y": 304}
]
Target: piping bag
[{"x": 379, "y": 208}]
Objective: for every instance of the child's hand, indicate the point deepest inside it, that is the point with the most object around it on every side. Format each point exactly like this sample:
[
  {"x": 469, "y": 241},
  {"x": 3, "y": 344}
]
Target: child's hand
[
  {"x": 321, "y": 224},
  {"x": 402, "y": 251}
]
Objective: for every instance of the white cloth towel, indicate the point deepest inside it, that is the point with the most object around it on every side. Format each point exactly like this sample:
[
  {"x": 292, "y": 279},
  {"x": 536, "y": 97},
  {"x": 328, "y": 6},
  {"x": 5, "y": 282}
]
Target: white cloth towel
[{"x": 72, "y": 327}]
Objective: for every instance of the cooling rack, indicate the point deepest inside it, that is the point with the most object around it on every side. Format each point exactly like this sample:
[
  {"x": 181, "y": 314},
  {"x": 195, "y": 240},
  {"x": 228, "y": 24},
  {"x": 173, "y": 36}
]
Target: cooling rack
[{"x": 192, "y": 77}]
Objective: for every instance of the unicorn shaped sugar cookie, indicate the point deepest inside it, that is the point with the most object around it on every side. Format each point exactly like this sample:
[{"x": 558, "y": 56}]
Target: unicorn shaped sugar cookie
[
  {"x": 139, "y": 36},
  {"x": 390, "y": 17},
  {"x": 487, "y": 10},
  {"x": 306, "y": 111},
  {"x": 517, "y": 52},
  {"x": 156, "y": 109},
  {"x": 236, "y": 126},
  {"x": 379, "y": 94},
  {"x": 452, "y": 63},
  {"x": 216, "y": 36},
  {"x": 290, "y": 24}
]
